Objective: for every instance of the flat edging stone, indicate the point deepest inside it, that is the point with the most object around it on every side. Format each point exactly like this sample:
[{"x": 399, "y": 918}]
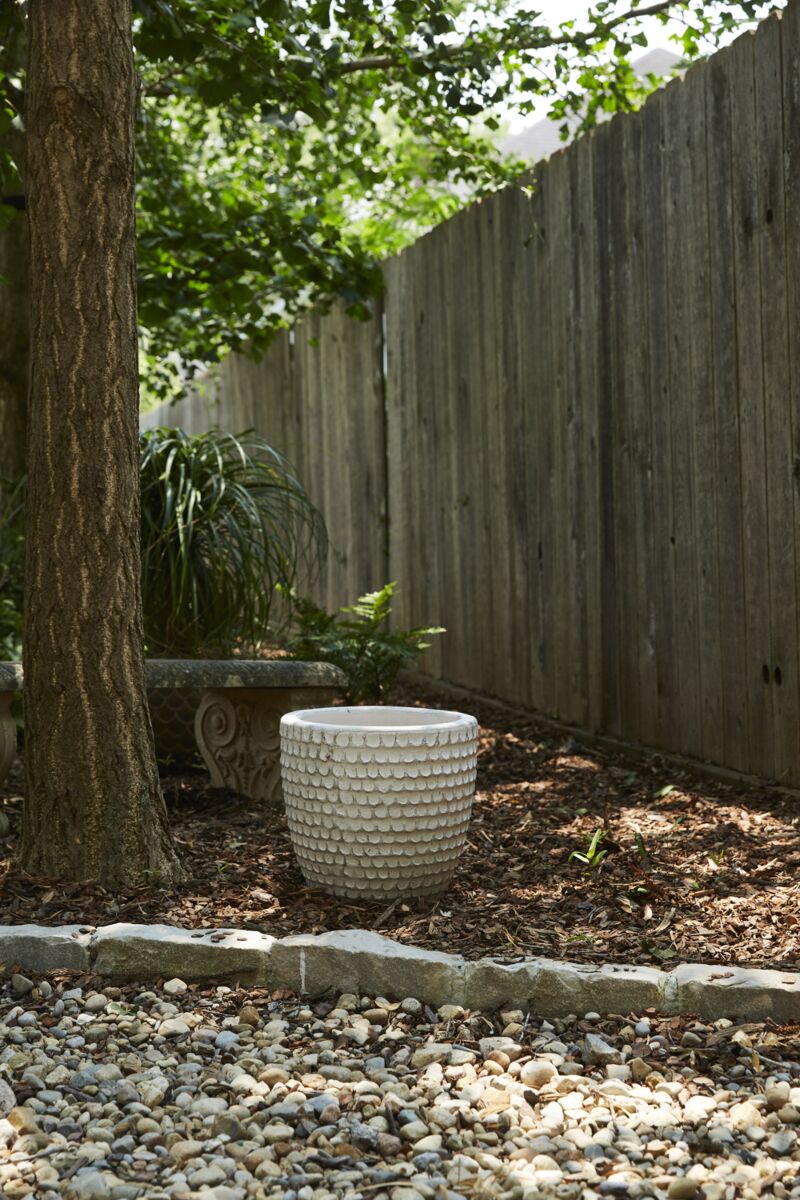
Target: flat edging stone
[{"x": 364, "y": 962}]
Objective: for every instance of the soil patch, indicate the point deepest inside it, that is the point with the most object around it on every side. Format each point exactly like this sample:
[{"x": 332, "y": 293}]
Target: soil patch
[{"x": 690, "y": 870}]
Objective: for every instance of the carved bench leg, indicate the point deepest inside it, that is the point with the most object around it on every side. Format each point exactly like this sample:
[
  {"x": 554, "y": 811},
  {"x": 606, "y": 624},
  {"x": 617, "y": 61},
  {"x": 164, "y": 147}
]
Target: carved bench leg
[
  {"x": 238, "y": 735},
  {"x": 8, "y": 734}
]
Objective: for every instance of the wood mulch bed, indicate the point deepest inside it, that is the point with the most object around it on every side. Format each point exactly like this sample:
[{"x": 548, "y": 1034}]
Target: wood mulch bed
[{"x": 694, "y": 870}]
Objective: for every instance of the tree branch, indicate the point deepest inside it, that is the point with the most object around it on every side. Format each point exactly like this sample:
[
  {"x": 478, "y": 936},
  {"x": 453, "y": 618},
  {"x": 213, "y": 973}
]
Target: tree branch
[{"x": 384, "y": 62}]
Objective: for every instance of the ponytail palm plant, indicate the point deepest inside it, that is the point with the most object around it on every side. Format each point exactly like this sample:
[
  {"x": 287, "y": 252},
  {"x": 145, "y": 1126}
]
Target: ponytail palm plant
[{"x": 224, "y": 523}]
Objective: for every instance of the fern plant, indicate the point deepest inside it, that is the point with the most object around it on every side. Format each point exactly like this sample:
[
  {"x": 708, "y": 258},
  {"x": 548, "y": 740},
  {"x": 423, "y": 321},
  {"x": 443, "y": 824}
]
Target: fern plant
[
  {"x": 357, "y": 640},
  {"x": 225, "y": 523}
]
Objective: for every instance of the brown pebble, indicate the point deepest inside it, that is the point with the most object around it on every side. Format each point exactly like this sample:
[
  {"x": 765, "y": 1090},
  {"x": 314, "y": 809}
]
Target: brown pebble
[
  {"x": 273, "y": 1075},
  {"x": 256, "y": 1157},
  {"x": 314, "y": 1081},
  {"x": 348, "y": 1149},
  {"x": 23, "y": 1119},
  {"x": 388, "y": 1145},
  {"x": 639, "y": 1069},
  {"x": 499, "y": 1057}
]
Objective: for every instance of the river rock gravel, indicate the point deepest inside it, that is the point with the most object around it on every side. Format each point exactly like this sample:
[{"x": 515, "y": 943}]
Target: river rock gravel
[{"x": 110, "y": 1093}]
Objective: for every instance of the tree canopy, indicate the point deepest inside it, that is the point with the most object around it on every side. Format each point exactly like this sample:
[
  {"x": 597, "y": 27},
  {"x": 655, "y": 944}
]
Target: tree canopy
[{"x": 283, "y": 148}]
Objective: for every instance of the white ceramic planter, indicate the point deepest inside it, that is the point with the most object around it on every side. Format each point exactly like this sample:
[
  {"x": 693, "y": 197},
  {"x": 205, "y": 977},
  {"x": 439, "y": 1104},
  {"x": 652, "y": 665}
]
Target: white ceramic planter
[{"x": 378, "y": 798}]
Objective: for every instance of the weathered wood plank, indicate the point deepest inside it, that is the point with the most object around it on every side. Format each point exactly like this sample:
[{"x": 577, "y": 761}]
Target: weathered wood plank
[
  {"x": 587, "y": 371},
  {"x": 269, "y": 385},
  {"x": 564, "y": 616},
  {"x": 442, "y": 608},
  {"x": 702, "y": 419},
  {"x": 459, "y": 613},
  {"x": 688, "y": 731},
  {"x": 467, "y": 350},
  {"x": 497, "y": 475},
  {"x": 744, "y": 180},
  {"x": 629, "y": 404},
  {"x": 790, "y": 75},
  {"x": 305, "y": 393},
  {"x": 575, "y": 465},
  {"x": 656, "y": 312},
  {"x": 324, "y": 355},
  {"x": 638, "y": 424},
  {"x": 607, "y": 714},
  {"x": 426, "y": 438},
  {"x": 479, "y": 442},
  {"x": 721, "y": 234},
  {"x": 513, "y": 253},
  {"x": 395, "y": 279},
  {"x": 533, "y": 352},
  {"x": 546, "y": 261},
  {"x": 374, "y": 501},
  {"x": 770, "y": 216}
]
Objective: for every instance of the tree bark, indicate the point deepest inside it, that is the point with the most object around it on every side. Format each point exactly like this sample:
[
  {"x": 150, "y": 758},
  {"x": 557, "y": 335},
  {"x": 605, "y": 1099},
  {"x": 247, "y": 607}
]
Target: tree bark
[{"x": 93, "y": 807}]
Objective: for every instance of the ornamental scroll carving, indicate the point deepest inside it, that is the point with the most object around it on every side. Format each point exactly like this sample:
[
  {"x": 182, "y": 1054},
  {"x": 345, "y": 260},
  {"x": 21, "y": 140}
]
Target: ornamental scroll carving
[{"x": 238, "y": 735}]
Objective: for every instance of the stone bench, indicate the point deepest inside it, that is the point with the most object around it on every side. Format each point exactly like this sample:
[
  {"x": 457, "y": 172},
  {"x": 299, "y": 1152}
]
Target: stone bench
[{"x": 237, "y": 722}]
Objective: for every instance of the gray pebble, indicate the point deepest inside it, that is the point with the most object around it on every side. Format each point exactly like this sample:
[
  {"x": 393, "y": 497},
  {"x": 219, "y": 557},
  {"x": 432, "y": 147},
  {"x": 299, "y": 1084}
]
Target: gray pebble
[
  {"x": 21, "y": 985},
  {"x": 226, "y": 1039}
]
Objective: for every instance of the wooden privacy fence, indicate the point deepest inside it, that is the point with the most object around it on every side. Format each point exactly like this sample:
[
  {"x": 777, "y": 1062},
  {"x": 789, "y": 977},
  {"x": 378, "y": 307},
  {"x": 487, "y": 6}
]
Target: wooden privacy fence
[{"x": 585, "y": 447}]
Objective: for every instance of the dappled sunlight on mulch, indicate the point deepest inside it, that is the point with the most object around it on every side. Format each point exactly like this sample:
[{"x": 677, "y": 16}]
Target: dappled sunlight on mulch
[{"x": 692, "y": 870}]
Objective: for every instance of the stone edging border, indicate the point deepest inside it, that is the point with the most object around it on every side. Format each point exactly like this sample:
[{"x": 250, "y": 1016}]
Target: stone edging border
[{"x": 364, "y": 962}]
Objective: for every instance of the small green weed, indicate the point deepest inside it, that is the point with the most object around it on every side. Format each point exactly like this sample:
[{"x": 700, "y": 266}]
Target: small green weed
[
  {"x": 641, "y": 847},
  {"x": 594, "y": 854}
]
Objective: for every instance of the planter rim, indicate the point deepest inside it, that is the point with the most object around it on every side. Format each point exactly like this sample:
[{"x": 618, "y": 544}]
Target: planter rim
[{"x": 379, "y": 718}]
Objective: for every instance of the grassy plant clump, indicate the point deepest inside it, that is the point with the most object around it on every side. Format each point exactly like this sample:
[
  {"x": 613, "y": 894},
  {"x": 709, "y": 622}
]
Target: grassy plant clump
[{"x": 225, "y": 524}]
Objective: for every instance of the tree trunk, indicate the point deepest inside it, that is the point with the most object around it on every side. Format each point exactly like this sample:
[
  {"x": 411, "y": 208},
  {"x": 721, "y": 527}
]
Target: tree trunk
[{"x": 93, "y": 807}]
